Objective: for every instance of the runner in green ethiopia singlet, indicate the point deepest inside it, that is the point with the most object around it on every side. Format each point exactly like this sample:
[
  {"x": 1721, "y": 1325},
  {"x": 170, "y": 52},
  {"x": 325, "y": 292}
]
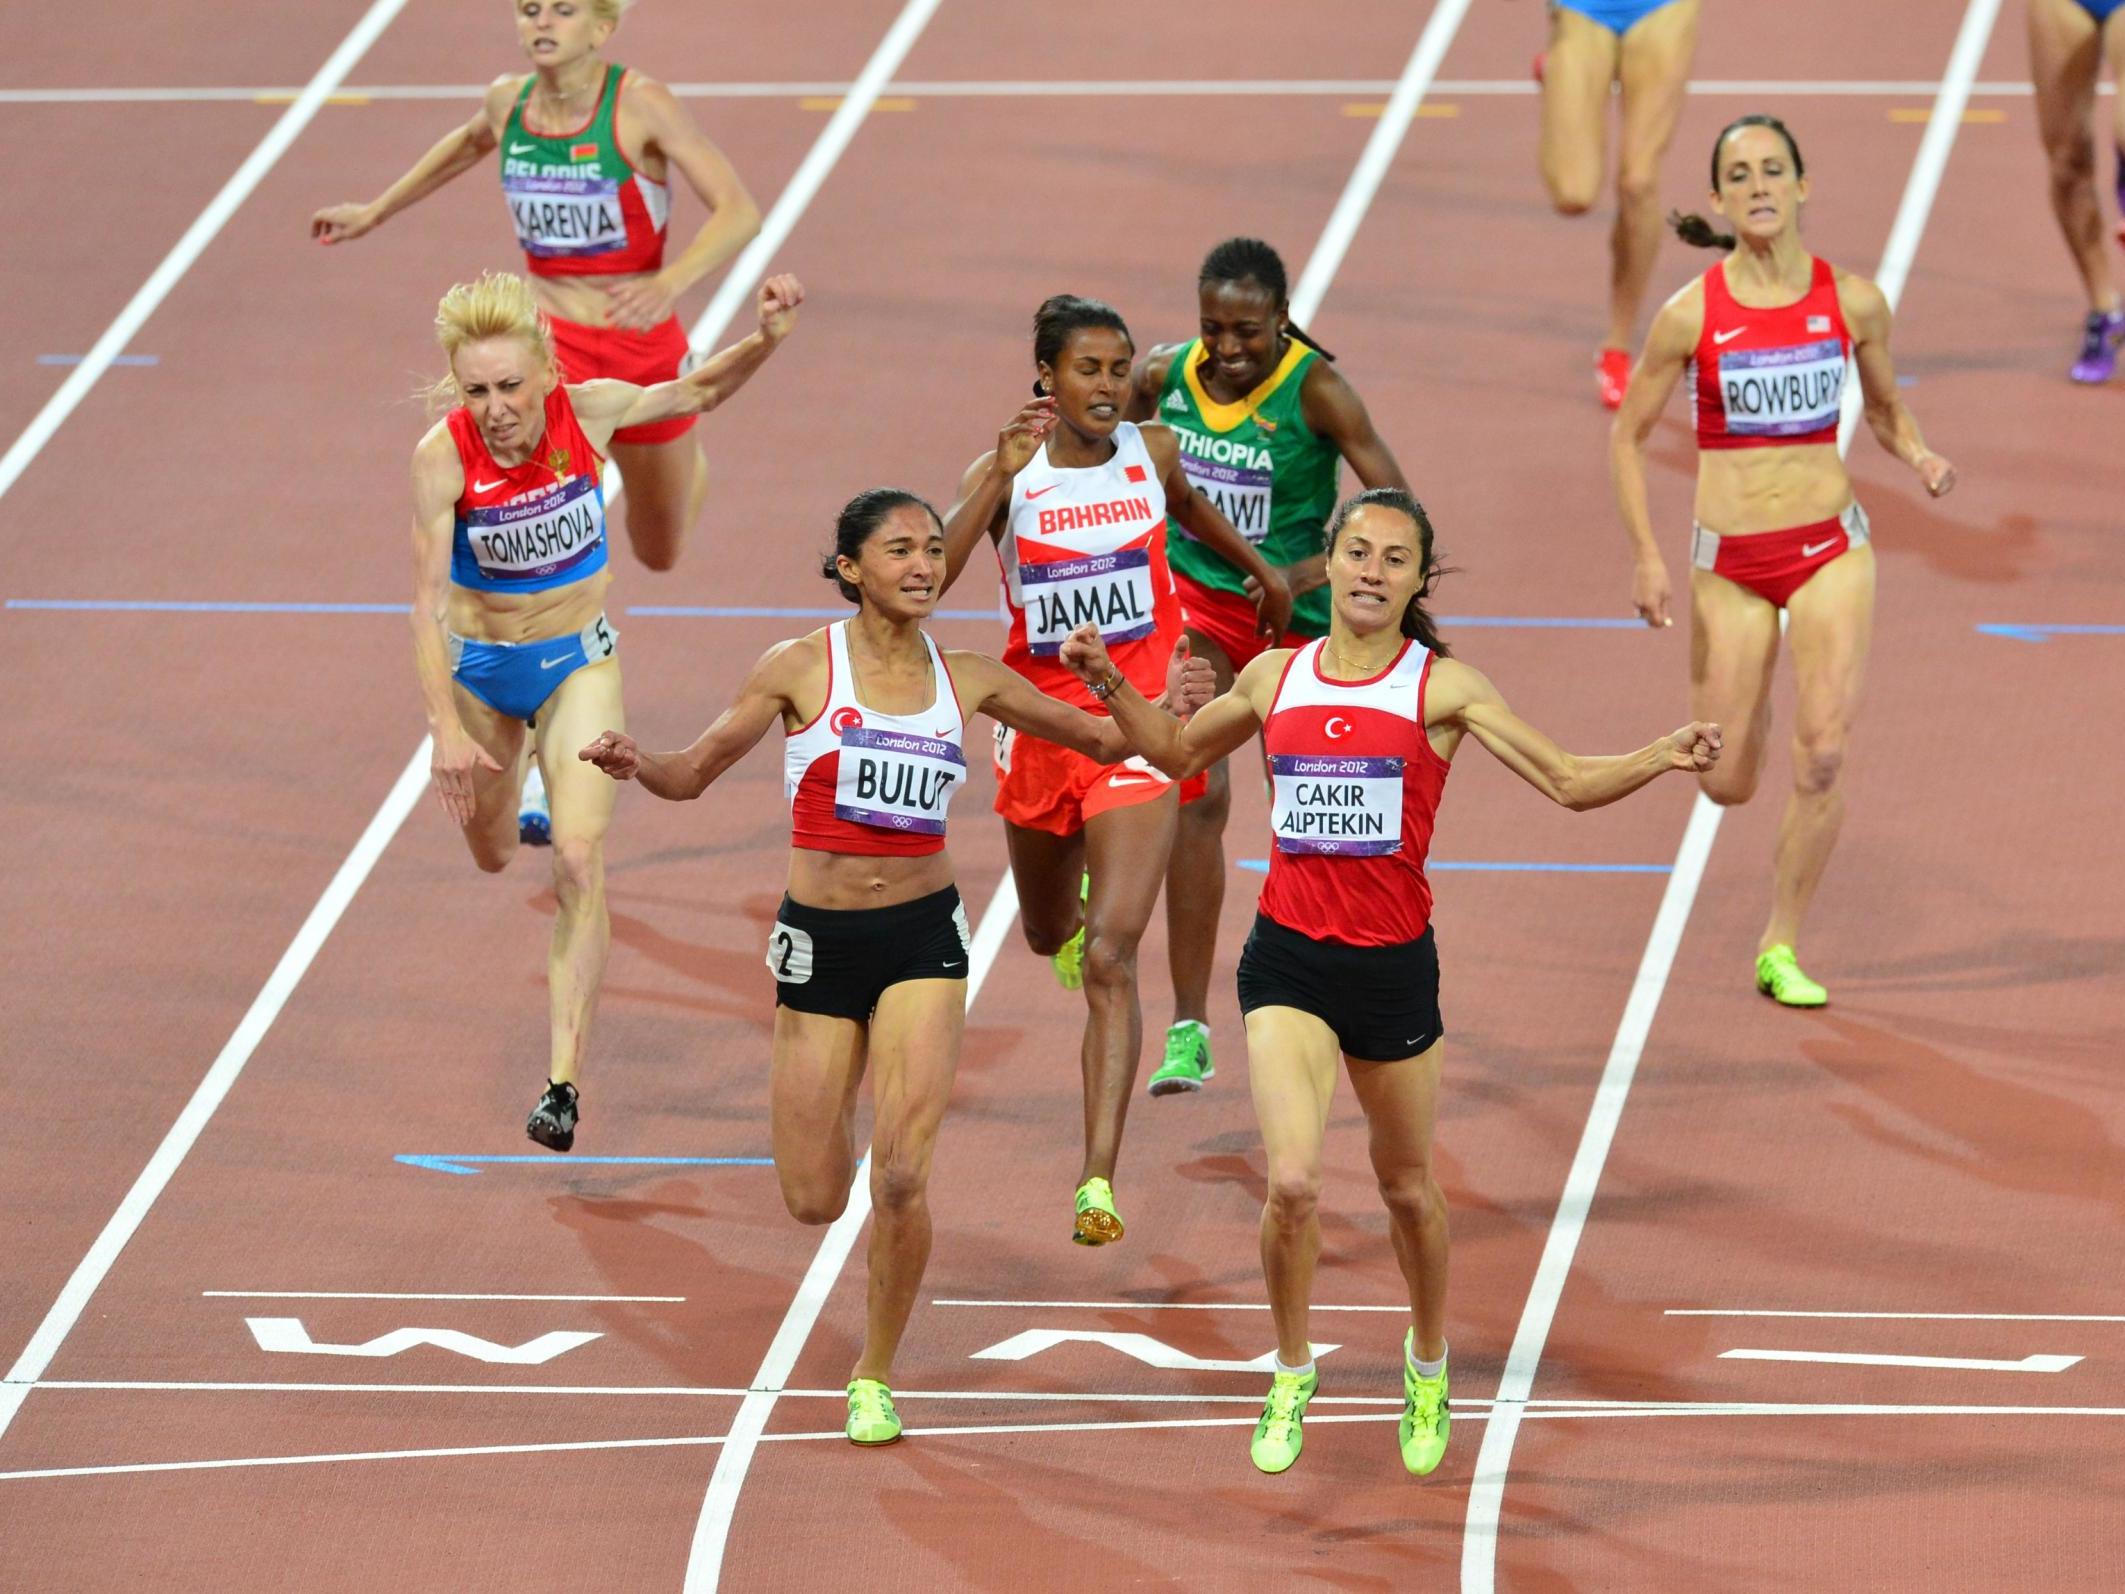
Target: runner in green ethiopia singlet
[
  {"x": 1270, "y": 474},
  {"x": 579, "y": 207}
]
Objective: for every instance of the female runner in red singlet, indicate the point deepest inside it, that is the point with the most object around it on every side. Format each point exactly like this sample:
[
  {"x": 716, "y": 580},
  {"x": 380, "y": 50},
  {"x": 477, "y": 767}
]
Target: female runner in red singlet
[
  {"x": 1361, "y": 727},
  {"x": 588, "y": 149},
  {"x": 1768, "y": 336},
  {"x": 870, "y": 947}
]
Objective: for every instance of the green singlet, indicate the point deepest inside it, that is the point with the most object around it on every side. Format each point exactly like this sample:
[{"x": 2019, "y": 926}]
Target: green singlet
[{"x": 1270, "y": 474}]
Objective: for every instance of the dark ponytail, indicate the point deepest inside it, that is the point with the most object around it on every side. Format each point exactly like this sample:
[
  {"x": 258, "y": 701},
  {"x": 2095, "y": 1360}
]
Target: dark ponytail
[
  {"x": 859, "y": 517},
  {"x": 1251, "y": 260},
  {"x": 1417, "y": 623},
  {"x": 1695, "y": 230},
  {"x": 1063, "y": 315}
]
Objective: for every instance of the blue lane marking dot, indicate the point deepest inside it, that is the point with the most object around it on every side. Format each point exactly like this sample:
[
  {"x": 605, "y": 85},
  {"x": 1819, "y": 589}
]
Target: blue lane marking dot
[
  {"x": 2044, "y": 633},
  {"x": 1471, "y": 866},
  {"x": 452, "y": 1162},
  {"x": 116, "y": 359}
]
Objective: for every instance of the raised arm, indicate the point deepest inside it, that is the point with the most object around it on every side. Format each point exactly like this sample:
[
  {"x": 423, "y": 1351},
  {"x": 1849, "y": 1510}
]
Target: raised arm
[
  {"x": 438, "y": 483},
  {"x": 1010, "y": 699},
  {"x": 1888, "y": 417},
  {"x": 1333, "y": 410},
  {"x": 1208, "y": 526},
  {"x": 985, "y": 489},
  {"x": 455, "y": 153},
  {"x": 1668, "y": 347},
  {"x": 1460, "y": 696},
  {"x": 768, "y": 694},
  {"x": 1176, "y": 749},
  {"x": 604, "y": 407},
  {"x": 733, "y": 218}
]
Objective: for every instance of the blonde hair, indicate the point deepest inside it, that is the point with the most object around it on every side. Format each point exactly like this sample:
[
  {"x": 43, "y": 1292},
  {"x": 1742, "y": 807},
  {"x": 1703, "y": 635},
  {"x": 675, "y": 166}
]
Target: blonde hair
[
  {"x": 608, "y": 11},
  {"x": 495, "y": 304}
]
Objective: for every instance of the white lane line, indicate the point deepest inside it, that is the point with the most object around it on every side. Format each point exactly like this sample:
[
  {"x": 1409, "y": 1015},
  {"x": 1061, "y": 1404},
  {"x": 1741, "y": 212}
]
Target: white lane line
[
  {"x": 1006, "y": 88},
  {"x": 1896, "y": 1317},
  {"x": 402, "y": 1295},
  {"x": 118, "y": 336},
  {"x": 1486, "y": 1493},
  {"x": 213, "y": 1088},
  {"x": 1842, "y": 1358},
  {"x": 1380, "y": 148},
  {"x": 1163, "y": 1306}
]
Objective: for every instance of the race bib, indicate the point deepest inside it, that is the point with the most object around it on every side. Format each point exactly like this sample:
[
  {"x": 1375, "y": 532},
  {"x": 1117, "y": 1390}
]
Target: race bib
[
  {"x": 896, "y": 780},
  {"x": 789, "y": 953},
  {"x": 1351, "y": 807},
  {"x": 600, "y": 641},
  {"x": 1235, "y": 477},
  {"x": 566, "y": 217},
  {"x": 535, "y": 536},
  {"x": 1782, "y": 392},
  {"x": 1112, "y": 590}
]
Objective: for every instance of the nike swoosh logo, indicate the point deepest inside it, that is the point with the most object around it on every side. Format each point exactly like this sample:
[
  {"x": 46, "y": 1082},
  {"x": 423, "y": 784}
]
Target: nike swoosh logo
[
  {"x": 1728, "y": 337},
  {"x": 488, "y": 487},
  {"x": 1033, "y": 493},
  {"x": 522, "y": 149},
  {"x": 1808, "y": 550},
  {"x": 1134, "y": 780},
  {"x": 551, "y": 664}
]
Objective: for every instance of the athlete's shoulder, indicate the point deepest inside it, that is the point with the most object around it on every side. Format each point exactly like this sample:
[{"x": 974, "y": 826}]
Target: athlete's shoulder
[
  {"x": 1453, "y": 685},
  {"x": 438, "y": 469},
  {"x": 1260, "y": 676},
  {"x": 503, "y": 93},
  {"x": 792, "y": 658},
  {"x": 1859, "y": 297},
  {"x": 1679, "y": 322}
]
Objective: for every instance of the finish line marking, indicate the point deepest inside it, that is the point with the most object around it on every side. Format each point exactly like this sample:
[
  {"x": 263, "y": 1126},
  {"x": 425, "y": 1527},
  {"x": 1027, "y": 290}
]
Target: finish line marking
[{"x": 1841, "y": 1358}]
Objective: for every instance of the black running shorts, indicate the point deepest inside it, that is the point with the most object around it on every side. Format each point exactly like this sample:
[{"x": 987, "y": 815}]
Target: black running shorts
[
  {"x": 839, "y": 961},
  {"x": 1381, "y": 1001}
]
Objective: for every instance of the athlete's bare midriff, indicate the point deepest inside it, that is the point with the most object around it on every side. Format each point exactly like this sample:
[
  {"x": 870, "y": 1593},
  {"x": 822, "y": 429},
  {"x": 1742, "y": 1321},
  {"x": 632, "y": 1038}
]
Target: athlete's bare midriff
[
  {"x": 1740, "y": 490},
  {"x": 842, "y": 880},
  {"x": 580, "y": 299},
  {"x": 527, "y": 616}
]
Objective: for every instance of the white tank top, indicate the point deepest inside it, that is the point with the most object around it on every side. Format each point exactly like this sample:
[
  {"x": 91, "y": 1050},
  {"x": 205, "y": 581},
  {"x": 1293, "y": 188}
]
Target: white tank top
[{"x": 862, "y": 781}]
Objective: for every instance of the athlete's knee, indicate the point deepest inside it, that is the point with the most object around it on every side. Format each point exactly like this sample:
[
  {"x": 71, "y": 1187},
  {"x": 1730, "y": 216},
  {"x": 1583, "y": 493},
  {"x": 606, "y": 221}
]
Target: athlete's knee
[
  {"x": 1729, "y": 788},
  {"x": 578, "y": 867},
  {"x": 1413, "y": 1197},
  {"x": 1209, "y": 811},
  {"x": 814, "y": 1202},
  {"x": 1110, "y": 960},
  {"x": 655, "y": 539},
  {"x": 1818, "y": 759},
  {"x": 1294, "y": 1195},
  {"x": 898, "y": 1180},
  {"x": 2072, "y": 159},
  {"x": 1637, "y": 186},
  {"x": 1045, "y": 940},
  {"x": 1571, "y": 193}
]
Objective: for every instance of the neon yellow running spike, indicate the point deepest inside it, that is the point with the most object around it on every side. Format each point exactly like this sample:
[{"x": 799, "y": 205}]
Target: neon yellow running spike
[
  {"x": 872, "y": 1419},
  {"x": 1070, "y": 961},
  {"x": 1097, "y": 1221},
  {"x": 1778, "y": 976},
  {"x": 1426, "y": 1417},
  {"x": 1278, "y": 1437}
]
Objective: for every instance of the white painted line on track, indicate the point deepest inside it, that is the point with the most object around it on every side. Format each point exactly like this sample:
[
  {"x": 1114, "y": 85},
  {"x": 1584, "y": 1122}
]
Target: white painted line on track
[
  {"x": 1843, "y": 1358},
  {"x": 1898, "y": 1317},
  {"x": 1486, "y": 1492},
  {"x": 400, "y": 1295},
  {"x": 1008, "y": 88},
  {"x": 213, "y": 1088},
  {"x": 118, "y": 336}
]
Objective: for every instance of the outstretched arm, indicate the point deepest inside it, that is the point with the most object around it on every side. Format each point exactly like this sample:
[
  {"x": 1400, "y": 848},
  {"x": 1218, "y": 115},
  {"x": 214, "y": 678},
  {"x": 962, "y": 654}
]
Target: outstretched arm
[
  {"x": 684, "y": 775},
  {"x": 438, "y": 483},
  {"x": 985, "y": 489},
  {"x": 1668, "y": 347},
  {"x": 1179, "y": 750},
  {"x": 455, "y": 153},
  {"x": 1010, "y": 699},
  {"x": 1888, "y": 417},
  {"x": 1460, "y": 695},
  {"x": 605, "y": 407}
]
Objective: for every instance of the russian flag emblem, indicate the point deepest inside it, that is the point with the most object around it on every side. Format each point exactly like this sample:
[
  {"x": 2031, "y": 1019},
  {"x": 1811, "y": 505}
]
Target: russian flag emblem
[{"x": 1135, "y": 473}]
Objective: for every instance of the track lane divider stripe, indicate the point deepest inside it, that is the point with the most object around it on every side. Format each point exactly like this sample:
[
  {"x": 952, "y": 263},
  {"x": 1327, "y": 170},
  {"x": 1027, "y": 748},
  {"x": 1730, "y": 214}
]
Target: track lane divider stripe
[
  {"x": 193, "y": 244},
  {"x": 89, "y": 1275},
  {"x": 1486, "y": 1492}
]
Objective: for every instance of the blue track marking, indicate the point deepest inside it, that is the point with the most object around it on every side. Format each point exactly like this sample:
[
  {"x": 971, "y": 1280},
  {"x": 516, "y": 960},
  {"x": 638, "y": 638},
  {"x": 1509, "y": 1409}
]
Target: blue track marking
[
  {"x": 694, "y": 611},
  {"x": 2044, "y": 633},
  {"x": 202, "y": 606},
  {"x": 442, "y": 1163},
  {"x": 1471, "y": 866}
]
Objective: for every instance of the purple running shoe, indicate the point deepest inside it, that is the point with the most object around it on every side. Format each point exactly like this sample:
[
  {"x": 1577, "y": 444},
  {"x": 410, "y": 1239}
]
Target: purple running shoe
[{"x": 2099, "y": 346}]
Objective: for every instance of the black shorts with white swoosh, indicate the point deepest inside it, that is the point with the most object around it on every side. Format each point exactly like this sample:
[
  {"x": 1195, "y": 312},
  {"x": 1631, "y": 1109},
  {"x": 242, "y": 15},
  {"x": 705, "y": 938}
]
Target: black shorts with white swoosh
[
  {"x": 1381, "y": 1001},
  {"x": 839, "y": 961}
]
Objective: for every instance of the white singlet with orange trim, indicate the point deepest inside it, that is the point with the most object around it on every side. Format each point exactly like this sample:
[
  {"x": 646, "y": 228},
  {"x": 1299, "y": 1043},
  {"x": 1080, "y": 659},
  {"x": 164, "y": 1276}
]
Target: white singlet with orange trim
[{"x": 859, "y": 780}]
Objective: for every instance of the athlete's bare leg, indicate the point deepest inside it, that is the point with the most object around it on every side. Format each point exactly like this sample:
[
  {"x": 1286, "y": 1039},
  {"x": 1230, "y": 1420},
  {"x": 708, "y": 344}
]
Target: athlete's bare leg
[
  {"x": 2065, "y": 57},
  {"x": 818, "y": 1063},
  {"x": 1400, "y": 1100},
  {"x": 1829, "y": 625},
  {"x": 491, "y": 832},
  {"x": 1291, "y": 1073},
  {"x": 581, "y": 798},
  {"x": 914, "y": 1052},
  {"x": 1048, "y": 871},
  {"x": 665, "y": 485},
  {"x": 1195, "y": 879},
  {"x": 1654, "y": 68},
  {"x": 1733, "y": 645},
  {"x": 1577, "y": 74}
]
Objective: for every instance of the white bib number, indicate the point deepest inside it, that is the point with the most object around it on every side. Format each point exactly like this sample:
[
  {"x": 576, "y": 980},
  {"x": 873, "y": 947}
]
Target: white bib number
[
  {"x": 1112, "y": 590},
  {"x": 1242, "y": 495},
  {"x": 1782, "y": 392},
  {"x": 896, "y": 780},
  {"x": 539, "y": 534},
  {"x": 566, "y": 216},
  {"x": 1349, "y": 807}
]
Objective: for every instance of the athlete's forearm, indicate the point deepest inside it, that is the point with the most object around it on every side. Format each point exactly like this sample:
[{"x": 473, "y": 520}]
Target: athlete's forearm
[
  {"x": 970, "y": 520},
  {"x": 1627, "y": 474},
  {"x": 672, "y": 776},
  {"x": 1896, "y": 429},
  {"x": 727, "y": 370},
  {"x": 1147, "y": 728},
  {"x": 431, "y": 662},
  {"x": 1595, "y": 782},
  {"x": 454, "y": 154},
  {"x": 719, "y": 240}
]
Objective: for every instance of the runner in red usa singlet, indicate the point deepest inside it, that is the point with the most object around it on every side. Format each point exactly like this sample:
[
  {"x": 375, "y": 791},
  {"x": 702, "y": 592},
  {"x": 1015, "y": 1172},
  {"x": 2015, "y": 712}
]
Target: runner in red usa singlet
[
  {"x": 1769, "y": 340},
  {"x": 1342, "y": 967}
]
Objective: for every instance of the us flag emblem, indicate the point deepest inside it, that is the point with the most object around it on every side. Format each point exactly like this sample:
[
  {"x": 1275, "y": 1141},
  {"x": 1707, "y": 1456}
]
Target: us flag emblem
[{"x": 1818, "y": 323}]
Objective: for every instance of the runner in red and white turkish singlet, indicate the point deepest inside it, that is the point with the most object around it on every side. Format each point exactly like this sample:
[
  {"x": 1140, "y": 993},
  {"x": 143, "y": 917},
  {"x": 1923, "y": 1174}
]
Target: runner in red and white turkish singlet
[
  {"x": 1077, "y": 501},
  {"x": 1768, "y": 337},
  {"x": 870, "y": 946},
  {"x": 1361, "y": 728}
]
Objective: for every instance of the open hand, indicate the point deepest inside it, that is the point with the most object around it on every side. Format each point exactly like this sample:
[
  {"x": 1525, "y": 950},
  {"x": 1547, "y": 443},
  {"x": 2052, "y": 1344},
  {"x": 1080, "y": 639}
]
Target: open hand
[
  {"x": 638, "y": 303},
  {"x": 1018, "y": 442},
  {"x": 451, "y": 764},
  {"x": 1695, "y": 746},
  {"x": 615, "y": 753},
  {"x": 1272, "y": 605},
  {"x": 339, "y": 224}
]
